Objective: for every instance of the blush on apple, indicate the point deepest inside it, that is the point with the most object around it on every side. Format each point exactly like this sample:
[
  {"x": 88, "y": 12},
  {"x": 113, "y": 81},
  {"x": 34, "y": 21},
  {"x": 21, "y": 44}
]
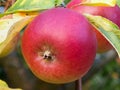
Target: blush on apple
[
  {"x": 111, "y": 13},
  {"x": 59, "y": 45}
]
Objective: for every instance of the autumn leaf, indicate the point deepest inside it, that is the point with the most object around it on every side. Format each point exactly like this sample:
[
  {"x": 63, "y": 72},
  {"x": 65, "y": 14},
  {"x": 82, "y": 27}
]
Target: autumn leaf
[
  {"x": 107, "y": 28},
  {"x": 4, "y": 86},
  {"x": 99, "y": 2},
  {"x": 11, "y": 25}
]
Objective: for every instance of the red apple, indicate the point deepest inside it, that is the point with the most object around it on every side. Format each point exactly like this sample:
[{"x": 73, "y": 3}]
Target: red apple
[
  {"x": 111, "y": 13},
  {"x": 59, "y": 45}
]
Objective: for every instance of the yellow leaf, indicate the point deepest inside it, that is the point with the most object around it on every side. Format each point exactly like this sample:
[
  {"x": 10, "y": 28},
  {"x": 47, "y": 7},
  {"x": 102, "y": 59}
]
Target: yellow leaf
[
  {"x": 99, "y": 2},
  {"x": 4, "y": 86},
  {"x": 108, "y": 29},
  {"x": 10, "y": 26}
]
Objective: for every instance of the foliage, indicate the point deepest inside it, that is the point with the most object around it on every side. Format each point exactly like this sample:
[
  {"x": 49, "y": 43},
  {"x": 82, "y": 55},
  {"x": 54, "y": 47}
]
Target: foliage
[
  {"x": 99, "y": 2},
  {"x": 36, "y": 5},
  {"x": 108, "y": 29},
  {"x": 11, "y": 25},
  {"x": 118, "y": 3},
  {"x": 107, "y": 78},
  {"x": 4, "y": 86}
]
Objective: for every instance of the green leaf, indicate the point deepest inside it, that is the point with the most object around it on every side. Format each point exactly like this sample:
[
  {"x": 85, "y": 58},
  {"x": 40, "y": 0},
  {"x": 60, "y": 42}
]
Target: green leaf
[
  {"x": 34, "y": 5},
  {"x": 58, "y": 2},
  {"x": 108, "y": 29},
  {"x": 99, "y": 2},
  {"x": 118, "y": 3},
  {"x": 29, "y": 6}
]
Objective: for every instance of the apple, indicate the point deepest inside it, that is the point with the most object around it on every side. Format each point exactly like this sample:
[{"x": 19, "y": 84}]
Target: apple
[
  {"x": 111, "y": 13},
  {"x": 59, "y": 45}
]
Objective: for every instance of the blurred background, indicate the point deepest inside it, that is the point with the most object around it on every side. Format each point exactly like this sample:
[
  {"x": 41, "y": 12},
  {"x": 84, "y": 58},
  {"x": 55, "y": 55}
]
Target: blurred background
[{"x": 104, "y": 74}]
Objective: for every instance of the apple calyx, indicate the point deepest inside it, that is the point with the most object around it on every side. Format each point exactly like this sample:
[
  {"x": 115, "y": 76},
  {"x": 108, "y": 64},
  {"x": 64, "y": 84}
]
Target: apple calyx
[{"x": 47, "y": 55}]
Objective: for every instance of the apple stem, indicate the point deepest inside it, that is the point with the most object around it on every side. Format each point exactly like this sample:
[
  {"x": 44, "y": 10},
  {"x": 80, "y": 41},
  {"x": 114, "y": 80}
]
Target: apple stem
[
  {"x": 78, "y": 84},
  {"x": 63, "y": 4}
]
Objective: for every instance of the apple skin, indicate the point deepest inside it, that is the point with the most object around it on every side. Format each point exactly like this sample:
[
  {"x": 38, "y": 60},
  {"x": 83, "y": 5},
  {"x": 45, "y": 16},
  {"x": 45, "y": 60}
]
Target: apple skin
[
  {"x": 59, "y": 45},
  {"x": 111, "y": 13}
]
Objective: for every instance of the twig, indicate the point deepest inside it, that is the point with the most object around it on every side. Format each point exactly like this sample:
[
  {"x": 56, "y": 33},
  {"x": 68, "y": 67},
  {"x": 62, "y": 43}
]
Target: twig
[{"x": 78, "y": 84}]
